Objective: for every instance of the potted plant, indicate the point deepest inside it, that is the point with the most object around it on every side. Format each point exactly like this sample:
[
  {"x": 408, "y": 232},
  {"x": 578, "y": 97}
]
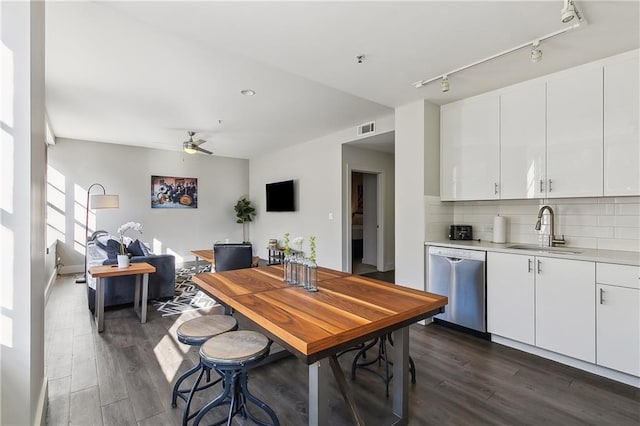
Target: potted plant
[{"x": 244, "y": 212}]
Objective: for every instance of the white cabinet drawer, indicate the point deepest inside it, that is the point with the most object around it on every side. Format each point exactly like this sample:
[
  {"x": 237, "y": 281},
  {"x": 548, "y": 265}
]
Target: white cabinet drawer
[{"x": 620, "y": 275}]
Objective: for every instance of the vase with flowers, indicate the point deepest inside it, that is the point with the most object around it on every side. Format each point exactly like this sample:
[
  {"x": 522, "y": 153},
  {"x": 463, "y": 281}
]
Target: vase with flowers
[
  {"x": 298, "y": 263},
  {"x": 312, "y": 266},
  {"x": 123, "y": 257},
  {"x": 287, "y": 259}
]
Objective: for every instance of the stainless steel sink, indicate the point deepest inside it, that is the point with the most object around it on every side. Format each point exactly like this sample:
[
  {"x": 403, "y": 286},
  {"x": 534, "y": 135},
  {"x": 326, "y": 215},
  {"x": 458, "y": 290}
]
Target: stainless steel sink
[{"x": 532, "y": 247}]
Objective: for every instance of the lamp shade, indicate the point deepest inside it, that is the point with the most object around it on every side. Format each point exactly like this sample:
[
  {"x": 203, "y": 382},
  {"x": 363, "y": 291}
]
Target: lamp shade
[{"x": 104, "y": 201}]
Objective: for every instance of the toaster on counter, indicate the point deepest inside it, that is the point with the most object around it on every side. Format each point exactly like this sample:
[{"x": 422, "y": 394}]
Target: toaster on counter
[{"x": 460, "y": 232}]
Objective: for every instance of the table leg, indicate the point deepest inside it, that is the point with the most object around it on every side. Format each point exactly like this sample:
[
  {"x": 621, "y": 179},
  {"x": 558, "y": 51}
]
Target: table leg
[
  {"x": 145, "y": 295},
  {"x": 197, "y": 259},
  {"x": 99, "y": 305},
  {"x": 401, "y": 375},
  {"x": 136, "y": 295},
  {"x": 318, "y": 393}
]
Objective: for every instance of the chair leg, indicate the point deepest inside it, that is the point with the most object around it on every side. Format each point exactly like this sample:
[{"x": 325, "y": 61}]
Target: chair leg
[
  {"x": 228, "y": 379},
  {"x": 361, "y": 352},
  {"x": 176, "y": 388},
  {"x": 244, "y": 386}
]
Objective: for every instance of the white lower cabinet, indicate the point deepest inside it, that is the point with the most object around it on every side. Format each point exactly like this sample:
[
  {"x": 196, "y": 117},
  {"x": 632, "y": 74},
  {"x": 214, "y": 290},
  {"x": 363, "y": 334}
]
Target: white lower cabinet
[
  {"x": 618, "y": 317},
  {"x": 510, "y": 296},
  {"x": 565, "y": 307},
  {"x": 544, "y": 302}
]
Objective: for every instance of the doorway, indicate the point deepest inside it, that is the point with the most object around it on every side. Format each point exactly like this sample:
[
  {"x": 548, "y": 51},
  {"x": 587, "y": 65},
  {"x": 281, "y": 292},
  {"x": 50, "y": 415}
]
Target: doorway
[{"x": 364, "y": 222}]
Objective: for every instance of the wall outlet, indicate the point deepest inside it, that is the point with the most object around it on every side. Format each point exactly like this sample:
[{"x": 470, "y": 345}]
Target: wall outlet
[{"x": 330, "y": 216}]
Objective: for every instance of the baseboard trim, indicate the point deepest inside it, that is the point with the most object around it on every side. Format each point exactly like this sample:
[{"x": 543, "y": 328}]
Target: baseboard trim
[
  {"x": 40, "y": 418},
  {"x": 71, "y": 269},
  {"x": 572, "y": 362},
  {"x": 52, "y": 279}
]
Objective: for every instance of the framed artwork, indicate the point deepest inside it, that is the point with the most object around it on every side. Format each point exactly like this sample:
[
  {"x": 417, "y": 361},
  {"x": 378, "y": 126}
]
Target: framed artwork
[{"x": 170, "y": 192}]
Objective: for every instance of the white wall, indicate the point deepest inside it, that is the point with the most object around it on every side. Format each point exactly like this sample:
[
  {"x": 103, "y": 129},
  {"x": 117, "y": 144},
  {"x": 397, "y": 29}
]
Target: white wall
[
  {"x": 315, "y": 166},
  {"x": 359, "y": 159},
  {"x": 411, "y": 134},
  {"x": 22, "y": 380},
  {"x": 127, "y": 171}
]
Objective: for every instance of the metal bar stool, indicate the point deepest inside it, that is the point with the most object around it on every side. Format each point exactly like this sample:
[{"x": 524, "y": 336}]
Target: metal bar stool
[
  {"x": 194, "y": 333},
  {"x": 232, "y": 354},
  {"x": 382, "y": 357}
]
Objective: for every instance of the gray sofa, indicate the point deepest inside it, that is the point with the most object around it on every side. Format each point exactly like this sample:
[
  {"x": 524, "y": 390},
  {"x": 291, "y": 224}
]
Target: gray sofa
[{"x": 120, "y": 290}]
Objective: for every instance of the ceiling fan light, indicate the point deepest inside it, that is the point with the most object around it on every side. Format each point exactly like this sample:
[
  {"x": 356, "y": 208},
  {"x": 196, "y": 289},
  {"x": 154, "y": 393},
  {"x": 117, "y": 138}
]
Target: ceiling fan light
[{"x": 188, "y": 148}]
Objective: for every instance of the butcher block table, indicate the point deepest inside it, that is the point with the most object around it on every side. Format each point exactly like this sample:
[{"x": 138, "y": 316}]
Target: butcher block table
[{"x": 347, "y": 310}]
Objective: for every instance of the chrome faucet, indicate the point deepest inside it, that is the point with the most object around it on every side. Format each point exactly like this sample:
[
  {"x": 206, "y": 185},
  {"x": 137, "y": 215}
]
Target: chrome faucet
[{"x": 553, "y": 240}]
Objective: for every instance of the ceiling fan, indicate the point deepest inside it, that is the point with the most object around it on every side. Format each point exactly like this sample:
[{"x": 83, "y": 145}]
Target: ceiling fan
[{"x": 191, "y": 146}]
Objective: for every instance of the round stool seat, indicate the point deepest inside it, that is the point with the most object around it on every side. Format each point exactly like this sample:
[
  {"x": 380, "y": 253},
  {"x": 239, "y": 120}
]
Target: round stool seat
[
  {"x": 234, "y": 348},
  {"x": 198, "y": 330}
]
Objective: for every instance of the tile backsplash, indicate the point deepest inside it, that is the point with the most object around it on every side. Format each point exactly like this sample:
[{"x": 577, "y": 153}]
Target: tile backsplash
[{"x": 610, "y": 223}]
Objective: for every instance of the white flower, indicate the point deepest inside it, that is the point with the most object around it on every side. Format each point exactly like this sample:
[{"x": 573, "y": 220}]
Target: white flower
[
  {"x": 124, "y": 228},
  {"x": 129, "y": 225},
  {"x": 298, "y": 242}
]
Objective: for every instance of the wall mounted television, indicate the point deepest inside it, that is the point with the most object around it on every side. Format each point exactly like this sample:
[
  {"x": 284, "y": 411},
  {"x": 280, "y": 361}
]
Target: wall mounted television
[{"x": 280, "y": 197}]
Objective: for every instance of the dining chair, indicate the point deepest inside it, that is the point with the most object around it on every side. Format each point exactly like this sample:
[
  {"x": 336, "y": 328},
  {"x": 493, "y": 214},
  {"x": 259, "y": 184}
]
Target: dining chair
[{"x": 229, "y": 256}]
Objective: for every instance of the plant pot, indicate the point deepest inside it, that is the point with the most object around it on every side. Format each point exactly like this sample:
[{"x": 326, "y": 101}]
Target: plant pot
[{"x": 123, "y": 261}]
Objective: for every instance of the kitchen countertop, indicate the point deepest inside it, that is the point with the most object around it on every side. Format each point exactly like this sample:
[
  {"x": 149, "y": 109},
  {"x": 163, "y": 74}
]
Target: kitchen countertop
[{"x": 592, "y": 255}]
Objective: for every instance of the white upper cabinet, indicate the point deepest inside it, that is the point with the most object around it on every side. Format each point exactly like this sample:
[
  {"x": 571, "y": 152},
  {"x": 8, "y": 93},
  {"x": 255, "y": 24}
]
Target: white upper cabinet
[
  {"x": 621, "y": 123},
  {"x": 522, "y": 146},
  {"x": 470, "y": 149},
  {"x": 574, "y": 133}
]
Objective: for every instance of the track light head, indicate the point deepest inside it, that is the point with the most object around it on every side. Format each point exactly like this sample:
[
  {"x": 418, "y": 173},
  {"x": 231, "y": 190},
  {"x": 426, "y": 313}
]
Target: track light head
[
  {"x": 568, "y": 12},
  {"x": 445, "y": 83},
  {"x": 536, "y": 52},
  {"x": 571, "y": 11}
]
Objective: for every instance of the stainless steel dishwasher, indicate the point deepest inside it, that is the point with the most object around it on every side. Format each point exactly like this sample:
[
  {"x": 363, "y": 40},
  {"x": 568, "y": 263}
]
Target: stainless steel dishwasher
[{"x": 459, "y": 275}]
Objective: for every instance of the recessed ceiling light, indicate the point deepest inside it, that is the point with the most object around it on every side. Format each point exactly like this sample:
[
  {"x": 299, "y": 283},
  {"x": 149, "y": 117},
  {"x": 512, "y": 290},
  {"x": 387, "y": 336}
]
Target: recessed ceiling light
[{"x": 248, "y": 92}]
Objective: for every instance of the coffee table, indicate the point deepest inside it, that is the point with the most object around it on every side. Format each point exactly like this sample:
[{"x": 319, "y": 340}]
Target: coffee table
[
  {"x": 105, "y": 271},
  {"x": 206, "y": 255}
]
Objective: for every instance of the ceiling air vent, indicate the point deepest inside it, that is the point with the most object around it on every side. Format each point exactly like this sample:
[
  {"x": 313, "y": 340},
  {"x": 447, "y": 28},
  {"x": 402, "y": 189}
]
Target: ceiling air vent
[{"x": 366, "y": 128}]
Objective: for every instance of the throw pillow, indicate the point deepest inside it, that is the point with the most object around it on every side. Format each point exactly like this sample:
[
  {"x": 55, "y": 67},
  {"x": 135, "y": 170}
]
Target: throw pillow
[
  {"x": 135, "y": 248},
  {"x": 145, "y": 248},
  {"x": 112, "y": 248}
]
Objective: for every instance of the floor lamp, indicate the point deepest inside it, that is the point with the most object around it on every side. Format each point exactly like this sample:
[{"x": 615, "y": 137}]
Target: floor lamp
[{"x": 98, "y": 201}]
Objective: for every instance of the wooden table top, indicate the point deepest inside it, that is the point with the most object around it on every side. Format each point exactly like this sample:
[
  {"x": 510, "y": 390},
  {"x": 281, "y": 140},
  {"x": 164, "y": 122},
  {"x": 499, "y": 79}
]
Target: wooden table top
[
  {"x": 104, "y": 271},
  {"x": 204, "y": 254},
  {"x": 347, "y": 309}
]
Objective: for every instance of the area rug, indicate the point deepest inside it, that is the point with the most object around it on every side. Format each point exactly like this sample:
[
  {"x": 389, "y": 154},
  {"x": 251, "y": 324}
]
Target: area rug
[{"x": 187, "y": 296}]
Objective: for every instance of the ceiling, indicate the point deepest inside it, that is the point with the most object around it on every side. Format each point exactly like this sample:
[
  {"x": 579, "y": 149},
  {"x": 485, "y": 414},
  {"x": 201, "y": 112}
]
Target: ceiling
[{"x": 144, "y": 73}]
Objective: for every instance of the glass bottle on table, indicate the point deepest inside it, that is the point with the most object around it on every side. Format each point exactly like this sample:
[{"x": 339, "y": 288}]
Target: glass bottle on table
[
  {"x": 312, "y": 275},
  {"x": 286, "y": 264}
]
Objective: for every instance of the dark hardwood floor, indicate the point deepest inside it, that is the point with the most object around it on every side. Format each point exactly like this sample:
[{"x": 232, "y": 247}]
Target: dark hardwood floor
[{"x": 124, "y": 376}]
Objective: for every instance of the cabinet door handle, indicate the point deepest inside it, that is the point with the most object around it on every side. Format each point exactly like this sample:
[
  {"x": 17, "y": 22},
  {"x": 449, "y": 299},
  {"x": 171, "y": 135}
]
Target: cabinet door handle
[
  {"x": 530, "y": 264},
  {"x": 539, "y": 263},
  {"x": 550, "y": 187},
  {"x": 495, "y": 188},
  {"x": 541, "y": 185},
  {"x": 601, "y": 296}
]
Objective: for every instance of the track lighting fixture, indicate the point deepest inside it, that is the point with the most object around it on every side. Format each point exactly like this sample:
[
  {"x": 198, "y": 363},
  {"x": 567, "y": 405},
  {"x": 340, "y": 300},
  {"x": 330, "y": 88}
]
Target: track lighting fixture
[
  {"x": 568, "y": 13},
  {"x": 445, "y": 83},
  {"x": 536, "y": 52}
]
